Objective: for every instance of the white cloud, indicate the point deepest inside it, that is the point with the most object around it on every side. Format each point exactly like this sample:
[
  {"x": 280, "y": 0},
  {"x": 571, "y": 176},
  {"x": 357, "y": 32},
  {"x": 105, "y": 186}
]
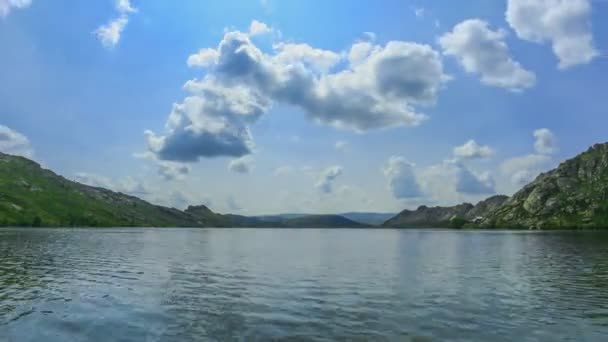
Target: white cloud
[
  {"x": 523, "y": 169},
  {"x": 546, "y": 142},
  {"x": 327, "y": 178},
  {"x": 381, "y": 90},
  {"x": 241, "y": 165},
  {"x": 212, "y": 123},
  {"x": 203, "y": 58},
  {"x": 401, "y": 179},
  {"x": 7, "y": 5},
  {"x": 419, "y": 12},
  {"x": 472, "y": 150},
  {"x": 258, "y": 28},
  {"x": 563, "y": 23},
  {"x": 316, "y": 59},
  {"x": 15, "y": 143},
  {"x": 452, "y": 178},
  {"x": 341, "y": 145},
  {"x": 483, "y": 51},
  {"x": 472, "y": 183},
  {"x": 110, "y": 33},
  {"x": 124, "y": 6}
]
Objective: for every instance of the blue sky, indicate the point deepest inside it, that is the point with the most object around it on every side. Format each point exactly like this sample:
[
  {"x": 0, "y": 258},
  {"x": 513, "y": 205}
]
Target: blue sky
[{"x": 294, "y": 129}]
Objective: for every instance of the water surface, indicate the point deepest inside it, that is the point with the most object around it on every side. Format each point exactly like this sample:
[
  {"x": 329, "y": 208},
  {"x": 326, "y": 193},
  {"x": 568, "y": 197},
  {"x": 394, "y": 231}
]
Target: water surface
[{"x": 289, "y": 284}]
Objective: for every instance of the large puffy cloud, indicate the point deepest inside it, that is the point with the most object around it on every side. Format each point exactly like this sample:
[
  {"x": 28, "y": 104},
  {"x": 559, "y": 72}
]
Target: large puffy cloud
[
  {"x": 452, "y": 179},
  {"x": 109, "y": 34},
  {"x": 545, "y": 142},
  {"x": 483, "y": 51},
  {"x": 523, "y": 169},
  {"x": 472, "y": 150},
  {"x": 563, "y": 23},
  {"x": 380, "y": 87},
  {"x": 7, "y": 5},
  {"x": 212, "y": 123},
  {"x": 15, "y": 143},
  {"x": 401, "y": 179},
  {"x": 469, "y": 182},
  {"x": 327, "y": 178}
]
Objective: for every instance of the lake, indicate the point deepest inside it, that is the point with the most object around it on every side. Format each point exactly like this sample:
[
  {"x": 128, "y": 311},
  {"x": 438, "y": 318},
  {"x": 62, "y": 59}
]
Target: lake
[{"x": 146, "y": 284}]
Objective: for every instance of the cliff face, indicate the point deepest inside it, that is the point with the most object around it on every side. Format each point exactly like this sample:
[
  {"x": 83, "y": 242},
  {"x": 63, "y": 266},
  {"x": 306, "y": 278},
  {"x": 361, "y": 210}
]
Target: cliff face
[{"x": 574, "y": 195}]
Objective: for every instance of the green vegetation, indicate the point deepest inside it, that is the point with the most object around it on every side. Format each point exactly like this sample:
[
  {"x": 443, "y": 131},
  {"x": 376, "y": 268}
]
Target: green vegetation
[{"x": 35, "y": 197}]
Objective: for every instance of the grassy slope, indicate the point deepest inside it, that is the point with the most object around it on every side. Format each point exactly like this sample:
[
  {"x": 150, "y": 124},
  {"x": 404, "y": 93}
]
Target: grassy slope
[{"x": 30, "y": 195}]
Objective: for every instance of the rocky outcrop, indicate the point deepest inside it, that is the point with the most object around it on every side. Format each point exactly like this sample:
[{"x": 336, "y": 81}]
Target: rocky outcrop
[
  {"x": 486, "y": 207},
  {"x": 574, "y": 195},
  {"x": 429, "y": 217},
  {"x": 446, "y": 217}
]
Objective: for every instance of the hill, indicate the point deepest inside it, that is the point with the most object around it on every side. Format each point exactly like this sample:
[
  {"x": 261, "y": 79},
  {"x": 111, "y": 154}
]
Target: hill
[
  {"x": 445, "y": 217},
  {"x": 574, "y": 195},
  {"x": 33, "y": 196}
]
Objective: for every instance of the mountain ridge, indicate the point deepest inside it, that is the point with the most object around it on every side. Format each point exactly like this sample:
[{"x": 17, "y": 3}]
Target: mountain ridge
[{"x": 573, "y": 195}]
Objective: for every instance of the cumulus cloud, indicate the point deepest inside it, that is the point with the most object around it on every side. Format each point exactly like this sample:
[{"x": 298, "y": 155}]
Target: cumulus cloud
[
  {"x": 472, "y": 150},
  {"x": 381, "y": 87},
  {"x": 546, "y": 142},
  {"x": 109, "y": 34},
  {"x": 15, "y": 143},
  {"x": 483, "y": 51},
  {"x": 469, "y": 182},
  {"x": 258, "y": 28},
  {"x": 327, "y": 178},
  {"x": 203, "y": 58},
  {"x": 523, "y": 169},
  {"x": 563, "y": 23},
  {"x": 7, "y": 5},
  {"x": 401, "y": 179},
  {"x": 453, "y": 176},
  {"x": 241, "y": 165}
]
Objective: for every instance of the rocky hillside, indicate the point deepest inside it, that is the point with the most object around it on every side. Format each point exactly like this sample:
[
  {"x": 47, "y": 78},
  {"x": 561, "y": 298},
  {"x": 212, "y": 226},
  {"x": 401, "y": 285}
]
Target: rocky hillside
[
  {"x": 445, "y": 217},
  {"x": 428, "y": 217},
  {"x": 33, "y": 196},
  {"x": 574, "y": 195}
]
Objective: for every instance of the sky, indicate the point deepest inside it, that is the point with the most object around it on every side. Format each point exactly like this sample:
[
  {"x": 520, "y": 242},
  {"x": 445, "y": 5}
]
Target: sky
[{"x": 266, "y": 106}]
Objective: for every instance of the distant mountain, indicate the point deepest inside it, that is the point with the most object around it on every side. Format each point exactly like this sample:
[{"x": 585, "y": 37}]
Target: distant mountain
[
  {"x": 322, "y": 221},
  {"x": 33, "y": 196},
  {"x": 368, "y": 217},
  {"x": 445, "y": 217},
  {"x": 428, "y": 217},
  {"x": 574, "y": 195},
  {"x": 274, "y": 221}
]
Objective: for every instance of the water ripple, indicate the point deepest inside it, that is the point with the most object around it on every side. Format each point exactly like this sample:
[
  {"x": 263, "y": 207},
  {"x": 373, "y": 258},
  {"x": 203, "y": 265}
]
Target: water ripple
[{"x": 308, "y": 285}]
